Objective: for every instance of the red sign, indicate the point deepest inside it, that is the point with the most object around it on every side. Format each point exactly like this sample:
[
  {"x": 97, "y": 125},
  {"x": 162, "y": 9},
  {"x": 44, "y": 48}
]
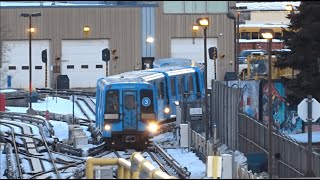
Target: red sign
[{"x": 2, "y": 102}]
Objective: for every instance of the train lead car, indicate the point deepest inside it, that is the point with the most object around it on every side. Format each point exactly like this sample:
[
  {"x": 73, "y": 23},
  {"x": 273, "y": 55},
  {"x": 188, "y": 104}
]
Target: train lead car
[{"x": 130, "y": 106}]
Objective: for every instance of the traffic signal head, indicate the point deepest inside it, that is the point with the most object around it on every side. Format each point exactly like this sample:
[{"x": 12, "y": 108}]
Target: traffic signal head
[
  {"x": 106, "y": 55},
  {"x": 213, "y": 53},
  {"x": 44, "y": 56}
]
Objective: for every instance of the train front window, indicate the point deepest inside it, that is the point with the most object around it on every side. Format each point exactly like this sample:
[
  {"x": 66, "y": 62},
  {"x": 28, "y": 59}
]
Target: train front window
[
  {"x": 146, "y": 101},
  {"x": 130, "y": 102},
  {"x": 112, "y": 102}
]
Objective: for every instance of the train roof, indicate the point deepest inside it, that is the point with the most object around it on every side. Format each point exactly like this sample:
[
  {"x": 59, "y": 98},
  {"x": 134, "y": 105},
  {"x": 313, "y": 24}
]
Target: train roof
[
  {"x": 171, "y": 71},
  {"x": 144, "y": 76},
  {"x": 169, "y": 62}
]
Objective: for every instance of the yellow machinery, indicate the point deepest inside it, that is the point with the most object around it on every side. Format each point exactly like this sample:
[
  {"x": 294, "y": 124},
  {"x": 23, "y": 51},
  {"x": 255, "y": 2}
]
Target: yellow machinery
[{"x": 257, "y": 68}]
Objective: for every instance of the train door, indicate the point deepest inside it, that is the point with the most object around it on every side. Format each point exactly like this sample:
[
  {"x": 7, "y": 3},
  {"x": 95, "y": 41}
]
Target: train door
[{"x": 129, "y": 113}]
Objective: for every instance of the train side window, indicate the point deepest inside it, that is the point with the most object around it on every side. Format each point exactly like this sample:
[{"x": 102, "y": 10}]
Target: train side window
[
  {"x": 112, "y": 102},
  {"x": 190, "y": 83},
  {"x": 255, "y": 35},
  {"x": 130, "y": 102},
  {"x": 173, "y": 86},
  {"x": 198, "y": 84},
  {"x": 245, "y": 35},
  {"x": 161, "y": 90},
  {"x": 180, "y": 84}
]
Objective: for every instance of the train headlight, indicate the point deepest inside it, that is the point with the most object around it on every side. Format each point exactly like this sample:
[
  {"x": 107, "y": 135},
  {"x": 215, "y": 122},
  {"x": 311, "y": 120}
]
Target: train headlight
[
  {"x": 153, "y": 127},
  {"x": 166, "y": 110},
  {"x": 107, "y": 127}
]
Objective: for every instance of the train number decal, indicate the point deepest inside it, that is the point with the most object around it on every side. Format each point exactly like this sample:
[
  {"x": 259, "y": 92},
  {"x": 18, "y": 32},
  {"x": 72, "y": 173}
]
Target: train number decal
[{"x": 146, "y": 101}]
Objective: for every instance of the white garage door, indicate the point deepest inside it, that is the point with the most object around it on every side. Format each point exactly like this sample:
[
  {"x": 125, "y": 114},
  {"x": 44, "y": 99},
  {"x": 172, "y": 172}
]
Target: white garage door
[
  {"x": 82, "y": 61},
  {"x": 192, "y": 48},
  {"x": 16, "y": 64}
]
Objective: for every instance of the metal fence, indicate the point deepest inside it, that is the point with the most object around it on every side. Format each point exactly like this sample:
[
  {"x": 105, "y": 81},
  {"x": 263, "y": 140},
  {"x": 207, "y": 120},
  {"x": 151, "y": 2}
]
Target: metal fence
[
  {"x": 224, "y": 110},
  {"x": 240, "y": 132}
]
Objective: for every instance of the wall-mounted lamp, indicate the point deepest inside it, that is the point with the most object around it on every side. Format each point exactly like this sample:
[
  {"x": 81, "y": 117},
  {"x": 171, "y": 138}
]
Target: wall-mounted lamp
[
  {"x": 32, "y": 29},
  {"x": 150, "y": 39},
  {"x": 86, "y": 30}
]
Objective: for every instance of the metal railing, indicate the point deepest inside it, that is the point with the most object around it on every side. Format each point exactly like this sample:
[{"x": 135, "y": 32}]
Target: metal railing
[
  {"x": 240, "y": 132},
  {"x": 137, "y": 168}
]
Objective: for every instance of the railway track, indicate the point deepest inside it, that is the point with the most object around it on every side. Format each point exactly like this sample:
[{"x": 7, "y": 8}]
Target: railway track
[
  {"x": 33, "y": 157},
  {"x": 56, "y": 151},
  {"x": 167, "y": 163}
]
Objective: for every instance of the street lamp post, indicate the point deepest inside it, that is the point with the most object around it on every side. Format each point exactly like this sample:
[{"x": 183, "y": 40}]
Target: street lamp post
[
  {"x": 30, "y": 110},
  {"x": 204, "y": 22},
  {"x": 231, "y": 16},
  {"x": 237, "y": 34},
  {"x": 268, "y": 34}
]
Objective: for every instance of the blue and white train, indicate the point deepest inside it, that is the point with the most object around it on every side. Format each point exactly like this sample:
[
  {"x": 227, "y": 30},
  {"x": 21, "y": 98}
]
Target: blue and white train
[{"x": 130, "y": 106}]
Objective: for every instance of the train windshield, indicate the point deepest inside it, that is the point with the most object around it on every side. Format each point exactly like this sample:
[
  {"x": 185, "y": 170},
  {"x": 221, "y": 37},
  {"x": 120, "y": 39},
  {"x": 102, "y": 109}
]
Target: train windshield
[
  {"x": 112, "y": 103},
  {"x": 146, "y": 101}
]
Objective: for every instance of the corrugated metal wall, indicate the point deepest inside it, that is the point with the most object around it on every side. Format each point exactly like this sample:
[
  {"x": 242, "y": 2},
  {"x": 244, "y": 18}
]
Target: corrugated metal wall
[
  {"x": 122, "y": 26},
  {"x": 174, "y": 25}
]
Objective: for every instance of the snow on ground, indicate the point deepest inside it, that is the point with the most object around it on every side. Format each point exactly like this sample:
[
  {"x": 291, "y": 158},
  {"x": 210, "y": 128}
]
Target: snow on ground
[
  {"x": 303, "y": 137},
  {"x": 64, "y": 106},
  {"x": 186, "y": 159},
  {"x": 7, "y": 90}
]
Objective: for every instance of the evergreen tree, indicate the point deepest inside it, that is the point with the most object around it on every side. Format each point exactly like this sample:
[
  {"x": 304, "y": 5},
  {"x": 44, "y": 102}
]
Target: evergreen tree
[{"x": 303, "y": 38}]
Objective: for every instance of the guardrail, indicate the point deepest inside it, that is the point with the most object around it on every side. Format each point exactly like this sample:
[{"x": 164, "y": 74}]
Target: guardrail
[{"x": 137, "y": 167}]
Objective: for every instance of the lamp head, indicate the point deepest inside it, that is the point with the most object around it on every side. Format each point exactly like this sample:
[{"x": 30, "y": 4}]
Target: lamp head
[
  {"x": 195, "y": 28},
  {"x": 203, "y": 22},
  {"x": 86, "y": 29},
  {"x": 266, "y": 33}
]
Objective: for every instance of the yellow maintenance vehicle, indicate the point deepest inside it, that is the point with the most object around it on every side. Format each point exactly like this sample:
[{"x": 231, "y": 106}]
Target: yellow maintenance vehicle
[{"x": 257, "y": 68}]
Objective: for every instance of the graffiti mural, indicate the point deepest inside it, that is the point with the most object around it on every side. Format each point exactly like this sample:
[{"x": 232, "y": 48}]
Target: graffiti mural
[
  {"x": 249, "y": 97},
  {"x": 285, "y": 118},
  {"x": 254, "y": 102},
  {"x": 278, "y": 103},
  {"x": 292, "y": 124}
]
